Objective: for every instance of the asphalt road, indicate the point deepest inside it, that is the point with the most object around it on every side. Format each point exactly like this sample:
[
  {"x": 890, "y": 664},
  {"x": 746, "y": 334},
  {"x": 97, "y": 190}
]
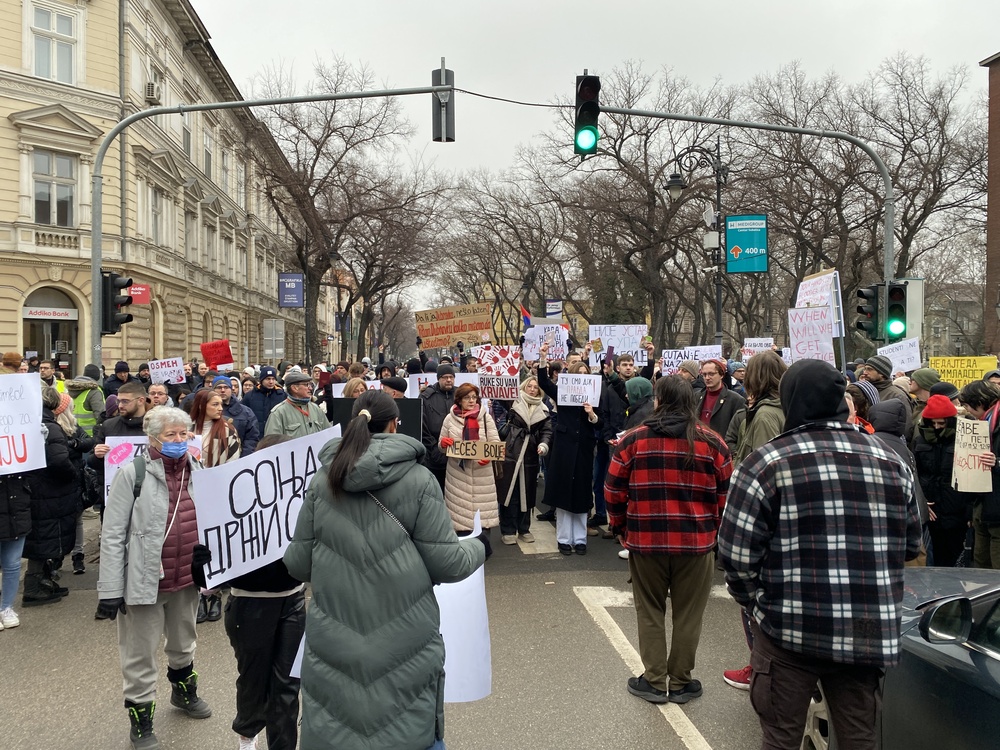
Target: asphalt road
[{"x": 563, "y": 641}]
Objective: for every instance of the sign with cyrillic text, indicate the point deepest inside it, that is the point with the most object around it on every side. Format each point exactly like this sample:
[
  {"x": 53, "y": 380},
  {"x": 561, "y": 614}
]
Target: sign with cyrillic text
[
  {"x": 577, "y": 390},
  {"x": 969, "y": 473},
  {"x": 626, "y": 339}
]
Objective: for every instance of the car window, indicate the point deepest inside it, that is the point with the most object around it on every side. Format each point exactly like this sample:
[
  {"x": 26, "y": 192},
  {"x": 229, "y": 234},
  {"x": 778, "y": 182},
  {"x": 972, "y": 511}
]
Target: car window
[{"x": 986, "y": 632}]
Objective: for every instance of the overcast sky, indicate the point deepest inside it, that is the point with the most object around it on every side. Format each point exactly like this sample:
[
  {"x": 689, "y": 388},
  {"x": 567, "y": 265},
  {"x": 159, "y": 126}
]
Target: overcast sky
[{"x": 533, "y": 50}]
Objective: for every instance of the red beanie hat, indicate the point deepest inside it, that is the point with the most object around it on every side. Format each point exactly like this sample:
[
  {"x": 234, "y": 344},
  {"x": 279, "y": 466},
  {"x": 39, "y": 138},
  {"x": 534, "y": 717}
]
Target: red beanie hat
[{"x": 939, "y": 407}]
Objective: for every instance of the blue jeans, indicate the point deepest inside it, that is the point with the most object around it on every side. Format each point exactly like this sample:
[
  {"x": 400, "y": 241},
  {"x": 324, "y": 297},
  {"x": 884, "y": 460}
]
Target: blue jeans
[
  {"x": 10, "y": 563},
  {"x": 602, "y": 460},
  {"x": 439, "y": 745}
]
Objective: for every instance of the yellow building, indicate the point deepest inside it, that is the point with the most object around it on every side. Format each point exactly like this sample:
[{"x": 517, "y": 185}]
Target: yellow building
[{"x": 198, "y": 229}]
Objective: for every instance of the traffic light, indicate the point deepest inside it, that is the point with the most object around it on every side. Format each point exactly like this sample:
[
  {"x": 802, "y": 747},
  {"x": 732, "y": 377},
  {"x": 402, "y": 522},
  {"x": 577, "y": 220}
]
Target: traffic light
[
  {"x": 444, "y": 105},
  {"x": 895, "y": 314},
  {"x": 113, "y": 303},
  {"x": 868, "y": 310},
  {"x": 585, "y": 133}
]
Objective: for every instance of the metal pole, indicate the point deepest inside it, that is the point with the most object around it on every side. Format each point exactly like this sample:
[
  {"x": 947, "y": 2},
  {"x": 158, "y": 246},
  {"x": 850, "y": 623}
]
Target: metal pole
[
  {"x": 97, "y": 181},
  {"x": 718, "y": 246}
]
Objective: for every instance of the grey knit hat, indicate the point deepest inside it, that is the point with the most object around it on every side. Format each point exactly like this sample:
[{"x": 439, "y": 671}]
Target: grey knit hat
[{"x": 881, "y": 364}]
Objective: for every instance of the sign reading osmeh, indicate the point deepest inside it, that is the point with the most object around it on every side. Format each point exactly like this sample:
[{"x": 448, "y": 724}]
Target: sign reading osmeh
[
  {"x": 746, "y": 244},
  {"x": 167, "y": 370}
]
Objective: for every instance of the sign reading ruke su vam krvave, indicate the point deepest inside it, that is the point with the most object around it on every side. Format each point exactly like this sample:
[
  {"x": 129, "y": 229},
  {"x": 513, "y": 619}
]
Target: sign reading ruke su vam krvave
[
  {"x": 478, "y": 450},
  {"x": 446, "y": 326}
]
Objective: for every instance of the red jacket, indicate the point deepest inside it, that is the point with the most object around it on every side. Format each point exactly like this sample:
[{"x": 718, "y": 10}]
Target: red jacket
[{"x": 665, "y": 506}]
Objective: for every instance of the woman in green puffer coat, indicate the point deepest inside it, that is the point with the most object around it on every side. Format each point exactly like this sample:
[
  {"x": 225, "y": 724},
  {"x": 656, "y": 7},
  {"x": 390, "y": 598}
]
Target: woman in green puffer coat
[{"x": 374, "y": 536}]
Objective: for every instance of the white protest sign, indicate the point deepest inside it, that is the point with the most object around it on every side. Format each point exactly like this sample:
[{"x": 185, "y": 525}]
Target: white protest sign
[
  {"x": 671, "y": 361},
  {"x": 904, "y": 355},
  {"x": 701, "y": 353},
  {"x": 421, "y": 381},
  {"x": 535, "y": 336},
  {"x": 22, "y": 445},
  {"x": 337, "y": 389},
  {"x": 821, "y": 290},
  {"x": 625, "y": 339},
  {"x": 167, "y": 370},
  {"x": 124, "y": 449},
  {"x": 499, "y": 371},
  {"x": 247, "y": 508},
  {"x": 577, "y": 390},
  {"x": 969, "y": 473},
  {"x": 786, "y": 355},
  {"x": 810, "y": 333},
  {"x": 755, "y": 346}
]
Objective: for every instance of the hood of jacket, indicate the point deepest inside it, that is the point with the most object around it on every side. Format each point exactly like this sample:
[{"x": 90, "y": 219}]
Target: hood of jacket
[
  {"x": 888, "y": 416},
  {"x": 81, "y": 384},
  {"x": 813, "y": 391},
  {"x": 388, "y": 458},
  {"x": 638, "y": 388}
]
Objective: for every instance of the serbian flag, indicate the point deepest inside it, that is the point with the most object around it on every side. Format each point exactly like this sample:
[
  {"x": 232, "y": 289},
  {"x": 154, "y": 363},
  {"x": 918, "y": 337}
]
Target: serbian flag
[{"x": 525, "y": 316}]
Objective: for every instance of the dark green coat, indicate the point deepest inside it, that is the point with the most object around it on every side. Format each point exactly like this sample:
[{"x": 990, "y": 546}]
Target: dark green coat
[{"x": 373, "y": 672}]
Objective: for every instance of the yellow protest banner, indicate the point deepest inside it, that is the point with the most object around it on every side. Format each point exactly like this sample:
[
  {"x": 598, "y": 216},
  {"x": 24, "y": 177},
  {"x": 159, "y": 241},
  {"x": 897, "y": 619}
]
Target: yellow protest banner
[
  {"x": 446, "y": 326},
  {"x": 962, "y": 370},
  {"x": 478, "y": 450}
]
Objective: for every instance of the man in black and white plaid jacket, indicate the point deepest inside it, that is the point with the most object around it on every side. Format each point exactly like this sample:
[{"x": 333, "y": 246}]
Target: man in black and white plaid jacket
[{"x": 818, "y": 523}]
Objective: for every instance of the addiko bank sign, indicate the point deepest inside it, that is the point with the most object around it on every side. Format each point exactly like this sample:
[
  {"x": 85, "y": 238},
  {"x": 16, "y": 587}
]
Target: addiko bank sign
[{"x": 51, "y": 313}]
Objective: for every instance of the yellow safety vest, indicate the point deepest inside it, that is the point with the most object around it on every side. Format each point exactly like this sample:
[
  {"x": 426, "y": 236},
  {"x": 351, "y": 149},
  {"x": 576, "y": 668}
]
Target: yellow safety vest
[{"x": 84, "y": 417}]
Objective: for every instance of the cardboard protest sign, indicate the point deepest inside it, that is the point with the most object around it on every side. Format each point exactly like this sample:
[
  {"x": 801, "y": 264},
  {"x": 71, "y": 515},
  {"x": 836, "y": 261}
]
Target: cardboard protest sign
[
  {"x": 446, "y": 326},
  {"x": 553, "y": 335},
  {"x": 22, "y": 445},
  {"x": 577, "y": 390},
  {"x": 670, "y": 360},
  {"x": 499, "y": 371},
  {"x": 963, "y": 370},
  {"x": 125, "y": 449},
  {"x": 701, "y": 353},
  {"x": 904, "y": 355},
  {"x": 810, "y": 333},
  {"x": 968, "y": 472},
  {"x": 167, "y": 370},
  {"x": 217, "y": 355},
  {"x": 755, "y": 346},
  {"x": 478, "y": 450},
  {"x": 247, "y": 508},
  {"x": 626, "y": 339}
]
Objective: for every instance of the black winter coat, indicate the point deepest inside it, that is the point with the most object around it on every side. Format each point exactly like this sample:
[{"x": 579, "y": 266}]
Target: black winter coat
[
  {"x": 934, "y": 464},
  {"x": 516, "y": 432},
  {"x": 435, "y": 406},
  {"x": 261, "y": 400},
  {"x": 56, "y": 497},
  {"x": 570, "y": 477},
  {"x": 15, "y": 507}
]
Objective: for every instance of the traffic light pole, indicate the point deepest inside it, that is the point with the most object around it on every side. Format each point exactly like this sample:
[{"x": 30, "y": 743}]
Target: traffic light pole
[{"x": 97, "y": 181}]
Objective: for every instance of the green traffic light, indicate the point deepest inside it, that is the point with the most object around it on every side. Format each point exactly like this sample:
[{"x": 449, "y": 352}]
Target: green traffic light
[
  {"x": 586, "y": 139},
  {"x": 897, "y": 327}
]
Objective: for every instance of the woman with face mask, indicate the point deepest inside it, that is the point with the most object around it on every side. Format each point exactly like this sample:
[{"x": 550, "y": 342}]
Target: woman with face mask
[{"x": 147, "y": 540}]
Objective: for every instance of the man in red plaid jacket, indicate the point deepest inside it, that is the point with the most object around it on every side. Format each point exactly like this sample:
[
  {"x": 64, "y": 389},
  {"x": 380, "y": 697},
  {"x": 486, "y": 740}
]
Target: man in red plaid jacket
[{"x": 665, "y": 491}]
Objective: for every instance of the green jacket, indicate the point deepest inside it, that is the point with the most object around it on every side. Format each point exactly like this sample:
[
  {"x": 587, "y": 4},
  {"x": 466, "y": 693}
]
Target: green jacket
[
  {"x": 768, "y": 422},
  {"x": 287, "y": 419},
  {"x": 373, "y": 670}
]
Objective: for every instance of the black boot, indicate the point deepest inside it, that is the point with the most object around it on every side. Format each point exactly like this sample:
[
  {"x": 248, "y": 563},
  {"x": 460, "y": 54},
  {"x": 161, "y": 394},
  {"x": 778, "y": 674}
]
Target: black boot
[
  {"x": 50, "y": 574},
  {"x": 79, "y": 568},
  {"x": 35, "y": 594},
  {"x": 202, "y": 609},
  {"x": 140, "y": 716},
  {"x": 214, "y": 608},
  {"x": 184, "y": 692}
]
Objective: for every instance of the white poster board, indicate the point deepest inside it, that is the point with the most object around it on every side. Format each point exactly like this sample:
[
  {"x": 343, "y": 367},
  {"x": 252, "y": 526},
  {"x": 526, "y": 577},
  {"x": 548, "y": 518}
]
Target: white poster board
[
  {"x": 670, "y": 360},
  {"x": 810, "y": 333},
  {"x": 534, "y": 337},
  {"x": 755, "y": 346},
  {"x": 701, "y": 353},
  {"x": 968, "y": 472},
  {"x": 421, "y": 381},
  {"x": 337, "y": 389},
  {"x": 124, "y": 449},
  {"x": 167, "y": 370},
  {"x": 626, "y": 339},
  {"x": 579, "y": 389},
  {"x": 821, "y": 290},
  {"x": 904, "y": 355},
  {"x": 22, "y": 445},
  {"x": 499, "y": 371}
]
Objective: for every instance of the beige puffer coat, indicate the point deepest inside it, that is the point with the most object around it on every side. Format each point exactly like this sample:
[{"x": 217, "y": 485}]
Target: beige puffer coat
[{"x": 472, "y": 488}]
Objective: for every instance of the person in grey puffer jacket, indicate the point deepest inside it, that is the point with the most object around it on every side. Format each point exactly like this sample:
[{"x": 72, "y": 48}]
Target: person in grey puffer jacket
[{"x": 374, "y": 537}]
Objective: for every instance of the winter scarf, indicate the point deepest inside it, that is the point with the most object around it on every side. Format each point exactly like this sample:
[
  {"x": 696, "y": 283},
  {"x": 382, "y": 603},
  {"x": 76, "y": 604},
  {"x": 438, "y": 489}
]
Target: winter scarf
[{"x": 470, "y": 424}]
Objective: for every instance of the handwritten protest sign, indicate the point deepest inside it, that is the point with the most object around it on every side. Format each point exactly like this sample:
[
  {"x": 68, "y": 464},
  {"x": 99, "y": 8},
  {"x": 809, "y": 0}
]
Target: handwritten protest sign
[
  {"x": 553, "y": 335},
  {"x": 577, "y": 390},
  {"x": 499, "y": 371},
  {"x": 478, "y": 450},
  {"x": 810, "y": 333},
  {"x": 247, "y": 508},
  {"x": 446, "y": 326},
  {"x": 626, "y": 339},
  {"x": 167, "y": 370},
  {"x": 755, "y": 346},
  {"x": 670, "y": 360},
  {"x": 421, "y": 381},
  {"x": 904, "y": 355},
  {"x": 22, "y": 445},
  {"x": 969, "y": 473},
  {"x": 124, "y": 449},
  {"x": 701, "y": 353},
  {"x": 786, "y": 355},
  {"x": 963, "y": 370},
  {"x": 821, "y": 290},
  {"x": 337, "y": 389},
  {"x": 217, "y": 355}
]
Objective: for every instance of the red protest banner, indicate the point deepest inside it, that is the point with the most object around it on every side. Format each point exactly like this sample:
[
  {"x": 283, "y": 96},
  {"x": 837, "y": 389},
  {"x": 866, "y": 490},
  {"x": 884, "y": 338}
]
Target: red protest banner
[{"x": 216, "y": 354}]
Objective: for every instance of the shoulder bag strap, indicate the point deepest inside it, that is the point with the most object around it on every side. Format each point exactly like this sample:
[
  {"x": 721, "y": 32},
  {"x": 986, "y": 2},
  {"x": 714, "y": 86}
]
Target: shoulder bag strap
[{"x": 389, "y": 513}]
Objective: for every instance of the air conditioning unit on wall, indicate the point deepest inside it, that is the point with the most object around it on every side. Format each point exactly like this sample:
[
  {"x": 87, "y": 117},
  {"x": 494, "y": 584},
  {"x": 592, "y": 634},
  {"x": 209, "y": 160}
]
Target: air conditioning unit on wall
[{"x": 152, "y": 93}]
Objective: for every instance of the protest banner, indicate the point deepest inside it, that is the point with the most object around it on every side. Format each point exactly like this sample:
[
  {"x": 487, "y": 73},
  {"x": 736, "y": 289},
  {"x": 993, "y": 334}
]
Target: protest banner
[
  {"x": 904, "y": 355},
  {"x": 701, "y": 353},
  {"x": 626, "y": 339},
  {"x": 22, "y": 445},
  {"x": 670, "y": 361},
  {"x": 217, "y": 355},
  {"x": 499, "y": 371},
  {"x": 446, "y": 326},
  {"x": 124, "y": 449},
  {"x": 755, "y": 346},
  {"x": 410, "y": 414},
  {"x": 577, "y": 390},
  {"x": 968, "y": 472},
  {"x": 167, "y": 370},
  {"x": 962, "y": 370},
  {"x": 553, "y": 335},
  {"x": 424, "y": 379},
  {"x": 821, "y": 290},
  {"x": 810, "y": 333},
  {"x": 478, "y": 450},
  {"x": 337, "y": 389},
  {"x": 247, "y": 508}
]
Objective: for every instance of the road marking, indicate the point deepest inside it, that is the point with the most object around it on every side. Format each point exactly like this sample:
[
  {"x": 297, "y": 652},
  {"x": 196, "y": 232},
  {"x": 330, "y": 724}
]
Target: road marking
[
  {"x": 596, "y": 600},
  {"x": 545, "y": 539}
]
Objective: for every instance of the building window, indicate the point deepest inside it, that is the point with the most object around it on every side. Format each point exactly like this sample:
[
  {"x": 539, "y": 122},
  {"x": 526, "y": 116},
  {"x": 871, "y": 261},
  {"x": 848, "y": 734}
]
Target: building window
[
  {"x": 55, "y": 187},
  {"x": 156, "y": 216},
  {"x": 227, "y": 257},
  {"x": 258, "y": 278},
  {"x": 54, "y": 39},
  {"x": 209, "y": 146},
  {"x": 186, "y": 133},
  {"x": 211, "y": 250},
  {"x": 191, "y": 236},
  {"x": 241, "y": 265},
  {"x": 241, "y": 178},
  {"x": 224, "y": 172}
]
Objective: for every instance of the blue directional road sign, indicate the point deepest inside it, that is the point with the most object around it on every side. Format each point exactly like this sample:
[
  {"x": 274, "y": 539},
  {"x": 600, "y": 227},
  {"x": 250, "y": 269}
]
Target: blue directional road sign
[
  {"x": 746, "y": 244},
  {"x": 291, "y": 290}
]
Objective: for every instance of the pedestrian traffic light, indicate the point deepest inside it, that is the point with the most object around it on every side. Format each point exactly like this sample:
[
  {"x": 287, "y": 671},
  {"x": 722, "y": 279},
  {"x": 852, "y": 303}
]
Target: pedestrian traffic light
[
  {"x": 113, "y": 304},
  {"x": 585, "y": 133},
  {"x": 868, "y": 310},
  {"x": 895, "y": 314}
]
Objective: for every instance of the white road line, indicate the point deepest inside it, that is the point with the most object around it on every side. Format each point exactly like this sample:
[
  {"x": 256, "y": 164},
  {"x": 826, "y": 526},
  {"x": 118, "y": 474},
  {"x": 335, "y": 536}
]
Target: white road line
[
  {"x": 596, "y": 600},
  {"x": 545, "y": 539}
]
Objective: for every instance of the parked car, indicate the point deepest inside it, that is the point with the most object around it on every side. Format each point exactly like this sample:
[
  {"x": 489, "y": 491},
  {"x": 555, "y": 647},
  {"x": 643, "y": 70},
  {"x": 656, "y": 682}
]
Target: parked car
[{"x": 945, "y": 691}]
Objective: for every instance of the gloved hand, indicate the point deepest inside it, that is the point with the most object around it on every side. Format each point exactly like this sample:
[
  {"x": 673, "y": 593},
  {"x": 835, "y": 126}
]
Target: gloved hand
[
  {"x": 483, "y": 461},
  {"x": 419, "y": 341},
  {"x": 486, "y": 543},
  {"x": 200, "y": 557},
  {"x": 460, "y": 345},
  {"x": 108, "y": 609},
  {"x": 447, "y": 442}
]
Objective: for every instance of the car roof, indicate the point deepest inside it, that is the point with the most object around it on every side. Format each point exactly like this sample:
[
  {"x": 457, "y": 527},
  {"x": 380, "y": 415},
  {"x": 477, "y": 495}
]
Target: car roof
[{"x": 923, "y": 585}]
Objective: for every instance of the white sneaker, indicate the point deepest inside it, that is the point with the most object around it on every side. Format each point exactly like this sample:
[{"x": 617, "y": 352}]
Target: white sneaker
[
  {"x": 9, "y": 619},
  {"x": 623, "y": 554},
  {"x": 248, "y": 743},
  {"x": 508, "y": 539}
]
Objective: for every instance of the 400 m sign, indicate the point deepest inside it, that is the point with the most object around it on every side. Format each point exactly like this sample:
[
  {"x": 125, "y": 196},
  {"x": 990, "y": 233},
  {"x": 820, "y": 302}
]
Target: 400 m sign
[{"x": 746, "y": 244}]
